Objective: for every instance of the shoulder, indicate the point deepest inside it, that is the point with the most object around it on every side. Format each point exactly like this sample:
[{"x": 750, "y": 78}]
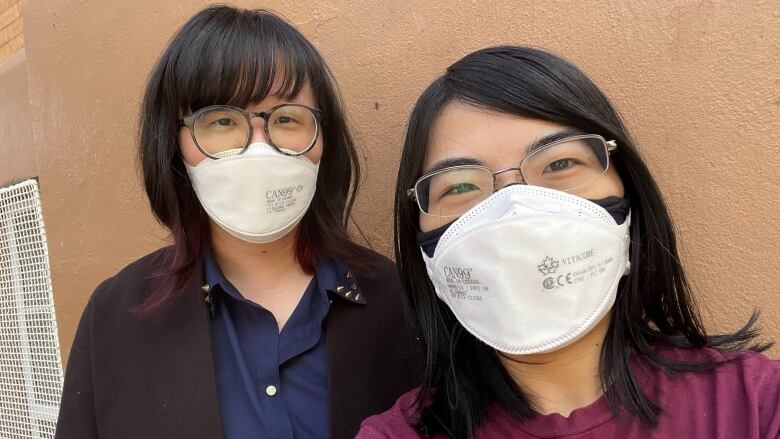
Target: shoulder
[
  {"x": 377, "y": 268},
  {"x": 743, "y": 363},
  {"x": 378, "y": 278},
  {"x": 737, "y": 367},
  {"x": 130, "y": 285},
  {"x": 753, "y": 371},
  {"x": 400, "y": 421},
  {"x": 745, "y": 382}
]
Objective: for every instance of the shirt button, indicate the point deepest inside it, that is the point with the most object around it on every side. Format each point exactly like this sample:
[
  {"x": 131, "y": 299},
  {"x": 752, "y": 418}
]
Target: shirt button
[{"x": 270, "y": 390}]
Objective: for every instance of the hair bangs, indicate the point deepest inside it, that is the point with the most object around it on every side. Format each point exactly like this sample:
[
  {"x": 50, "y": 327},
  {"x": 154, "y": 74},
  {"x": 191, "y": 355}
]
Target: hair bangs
[{"x": 241, "y": 62}]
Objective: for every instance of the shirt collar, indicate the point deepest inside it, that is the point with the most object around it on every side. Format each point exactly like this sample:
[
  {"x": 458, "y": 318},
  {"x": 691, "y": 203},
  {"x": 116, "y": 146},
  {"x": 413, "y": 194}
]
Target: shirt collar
[
  {"x": 338, "y": 280},
  {"x": 334, "y": 279}
]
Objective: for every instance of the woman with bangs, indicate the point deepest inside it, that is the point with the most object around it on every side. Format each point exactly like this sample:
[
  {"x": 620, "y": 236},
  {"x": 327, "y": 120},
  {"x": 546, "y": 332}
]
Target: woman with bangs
[
  {"x": 263, "y": 319},
  {"x": 539, "y": 259}
]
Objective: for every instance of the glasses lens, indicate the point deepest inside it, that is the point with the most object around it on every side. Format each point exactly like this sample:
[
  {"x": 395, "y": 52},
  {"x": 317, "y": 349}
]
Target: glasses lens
[
  {"x": 453, "y": 191},
  {"x": 221, "y": 129},
  {"x": 292, "y": 128},
  {"x": 567, "y": 166}
]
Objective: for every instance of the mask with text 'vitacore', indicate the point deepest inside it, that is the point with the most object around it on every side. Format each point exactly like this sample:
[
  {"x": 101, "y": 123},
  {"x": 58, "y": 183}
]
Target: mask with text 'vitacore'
[{"x": 530, "y": 269}]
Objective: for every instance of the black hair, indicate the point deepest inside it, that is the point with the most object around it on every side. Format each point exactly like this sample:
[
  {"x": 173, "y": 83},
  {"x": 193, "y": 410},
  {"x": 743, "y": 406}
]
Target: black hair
[
  {"x": 654, "y": 305},
  {"x": 226, "y": 55}
]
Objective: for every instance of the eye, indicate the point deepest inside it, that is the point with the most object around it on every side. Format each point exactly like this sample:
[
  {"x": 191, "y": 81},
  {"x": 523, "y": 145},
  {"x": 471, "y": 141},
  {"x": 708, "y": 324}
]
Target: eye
[
  {"x": 560, "y": 165},
  {"x": 224, "y": 122},
  {"x": 284, "y": 120},
  {"x": 461, "y": 188}
]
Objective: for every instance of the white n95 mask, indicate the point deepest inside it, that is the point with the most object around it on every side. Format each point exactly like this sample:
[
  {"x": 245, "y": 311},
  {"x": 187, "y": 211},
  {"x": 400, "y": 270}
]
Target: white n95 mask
[
  {"x": 259, "y": 195},
  {"x": 530, "y": 269}
]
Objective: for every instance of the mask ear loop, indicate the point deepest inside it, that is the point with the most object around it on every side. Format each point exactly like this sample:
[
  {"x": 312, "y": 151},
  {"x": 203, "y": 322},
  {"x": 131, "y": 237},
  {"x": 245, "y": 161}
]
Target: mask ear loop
[
  {"x": 429, "y": 237},
  {"x": 428, "y": 241},
  {"x": 617, "y": 207}
]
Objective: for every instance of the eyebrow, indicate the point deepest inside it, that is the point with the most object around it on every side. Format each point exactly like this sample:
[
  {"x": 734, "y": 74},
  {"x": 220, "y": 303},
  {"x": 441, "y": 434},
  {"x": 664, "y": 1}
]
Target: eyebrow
[
  {"x": 453, "y": 161},
  {"x": 533, "y": 146},
  {"x": 543, "y": 141}
]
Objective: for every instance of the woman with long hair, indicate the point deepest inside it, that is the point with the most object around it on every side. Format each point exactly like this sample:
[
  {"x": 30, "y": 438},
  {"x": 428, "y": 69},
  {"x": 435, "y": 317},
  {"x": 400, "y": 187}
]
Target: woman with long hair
[
  {"x": 263, "y": 319},
  {"x": 539, "y": 258}
]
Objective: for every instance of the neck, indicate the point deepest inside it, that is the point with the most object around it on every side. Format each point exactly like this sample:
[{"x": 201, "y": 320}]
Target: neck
[
  {"x": 268, "y": 274},
  {"x": 241, "y": 259},
  {"x": 563, "y": 380}
]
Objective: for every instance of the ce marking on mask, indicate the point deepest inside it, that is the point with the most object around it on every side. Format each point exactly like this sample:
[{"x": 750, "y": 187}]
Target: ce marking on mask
[
  {"x": 462, "y": 285},
  {"x": 281, "y": 199},
  {"x": 579, "y": 269}
]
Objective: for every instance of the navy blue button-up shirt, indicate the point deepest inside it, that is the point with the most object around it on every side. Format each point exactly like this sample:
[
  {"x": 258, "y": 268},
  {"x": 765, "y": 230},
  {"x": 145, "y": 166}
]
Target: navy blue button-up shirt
[{"x": 271, "y": 384}]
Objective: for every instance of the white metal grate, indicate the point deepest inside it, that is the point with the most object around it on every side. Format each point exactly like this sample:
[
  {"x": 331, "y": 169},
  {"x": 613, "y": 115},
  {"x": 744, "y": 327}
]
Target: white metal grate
[{"x": 30, "y": 366}]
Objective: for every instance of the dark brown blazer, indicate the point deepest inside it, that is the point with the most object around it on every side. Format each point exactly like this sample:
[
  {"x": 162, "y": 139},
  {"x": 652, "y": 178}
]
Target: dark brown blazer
[{"x": 153, "y": 377}]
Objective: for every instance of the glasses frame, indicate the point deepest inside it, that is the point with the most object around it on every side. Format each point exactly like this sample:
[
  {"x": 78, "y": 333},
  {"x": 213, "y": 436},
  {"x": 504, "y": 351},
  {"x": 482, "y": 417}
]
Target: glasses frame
[
  {"x": 610, "y": 146},
  {"x": 189, "y": 122}
]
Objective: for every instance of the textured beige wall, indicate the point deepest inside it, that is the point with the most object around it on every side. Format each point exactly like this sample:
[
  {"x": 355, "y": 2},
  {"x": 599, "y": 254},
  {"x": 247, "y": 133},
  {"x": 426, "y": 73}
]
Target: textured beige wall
[
  {"x": 697, "y": 82},
  {"x": 17, "y": 160}
]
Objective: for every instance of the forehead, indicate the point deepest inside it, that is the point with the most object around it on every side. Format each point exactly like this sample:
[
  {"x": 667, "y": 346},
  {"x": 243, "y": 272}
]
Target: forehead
[
  {"x": 496, "y": 139},
  {"x": 305, "y": 97}
]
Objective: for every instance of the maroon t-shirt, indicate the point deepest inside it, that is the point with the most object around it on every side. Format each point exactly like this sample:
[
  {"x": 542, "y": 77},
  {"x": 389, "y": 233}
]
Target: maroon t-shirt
[{"x": 739, "y": 400}]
